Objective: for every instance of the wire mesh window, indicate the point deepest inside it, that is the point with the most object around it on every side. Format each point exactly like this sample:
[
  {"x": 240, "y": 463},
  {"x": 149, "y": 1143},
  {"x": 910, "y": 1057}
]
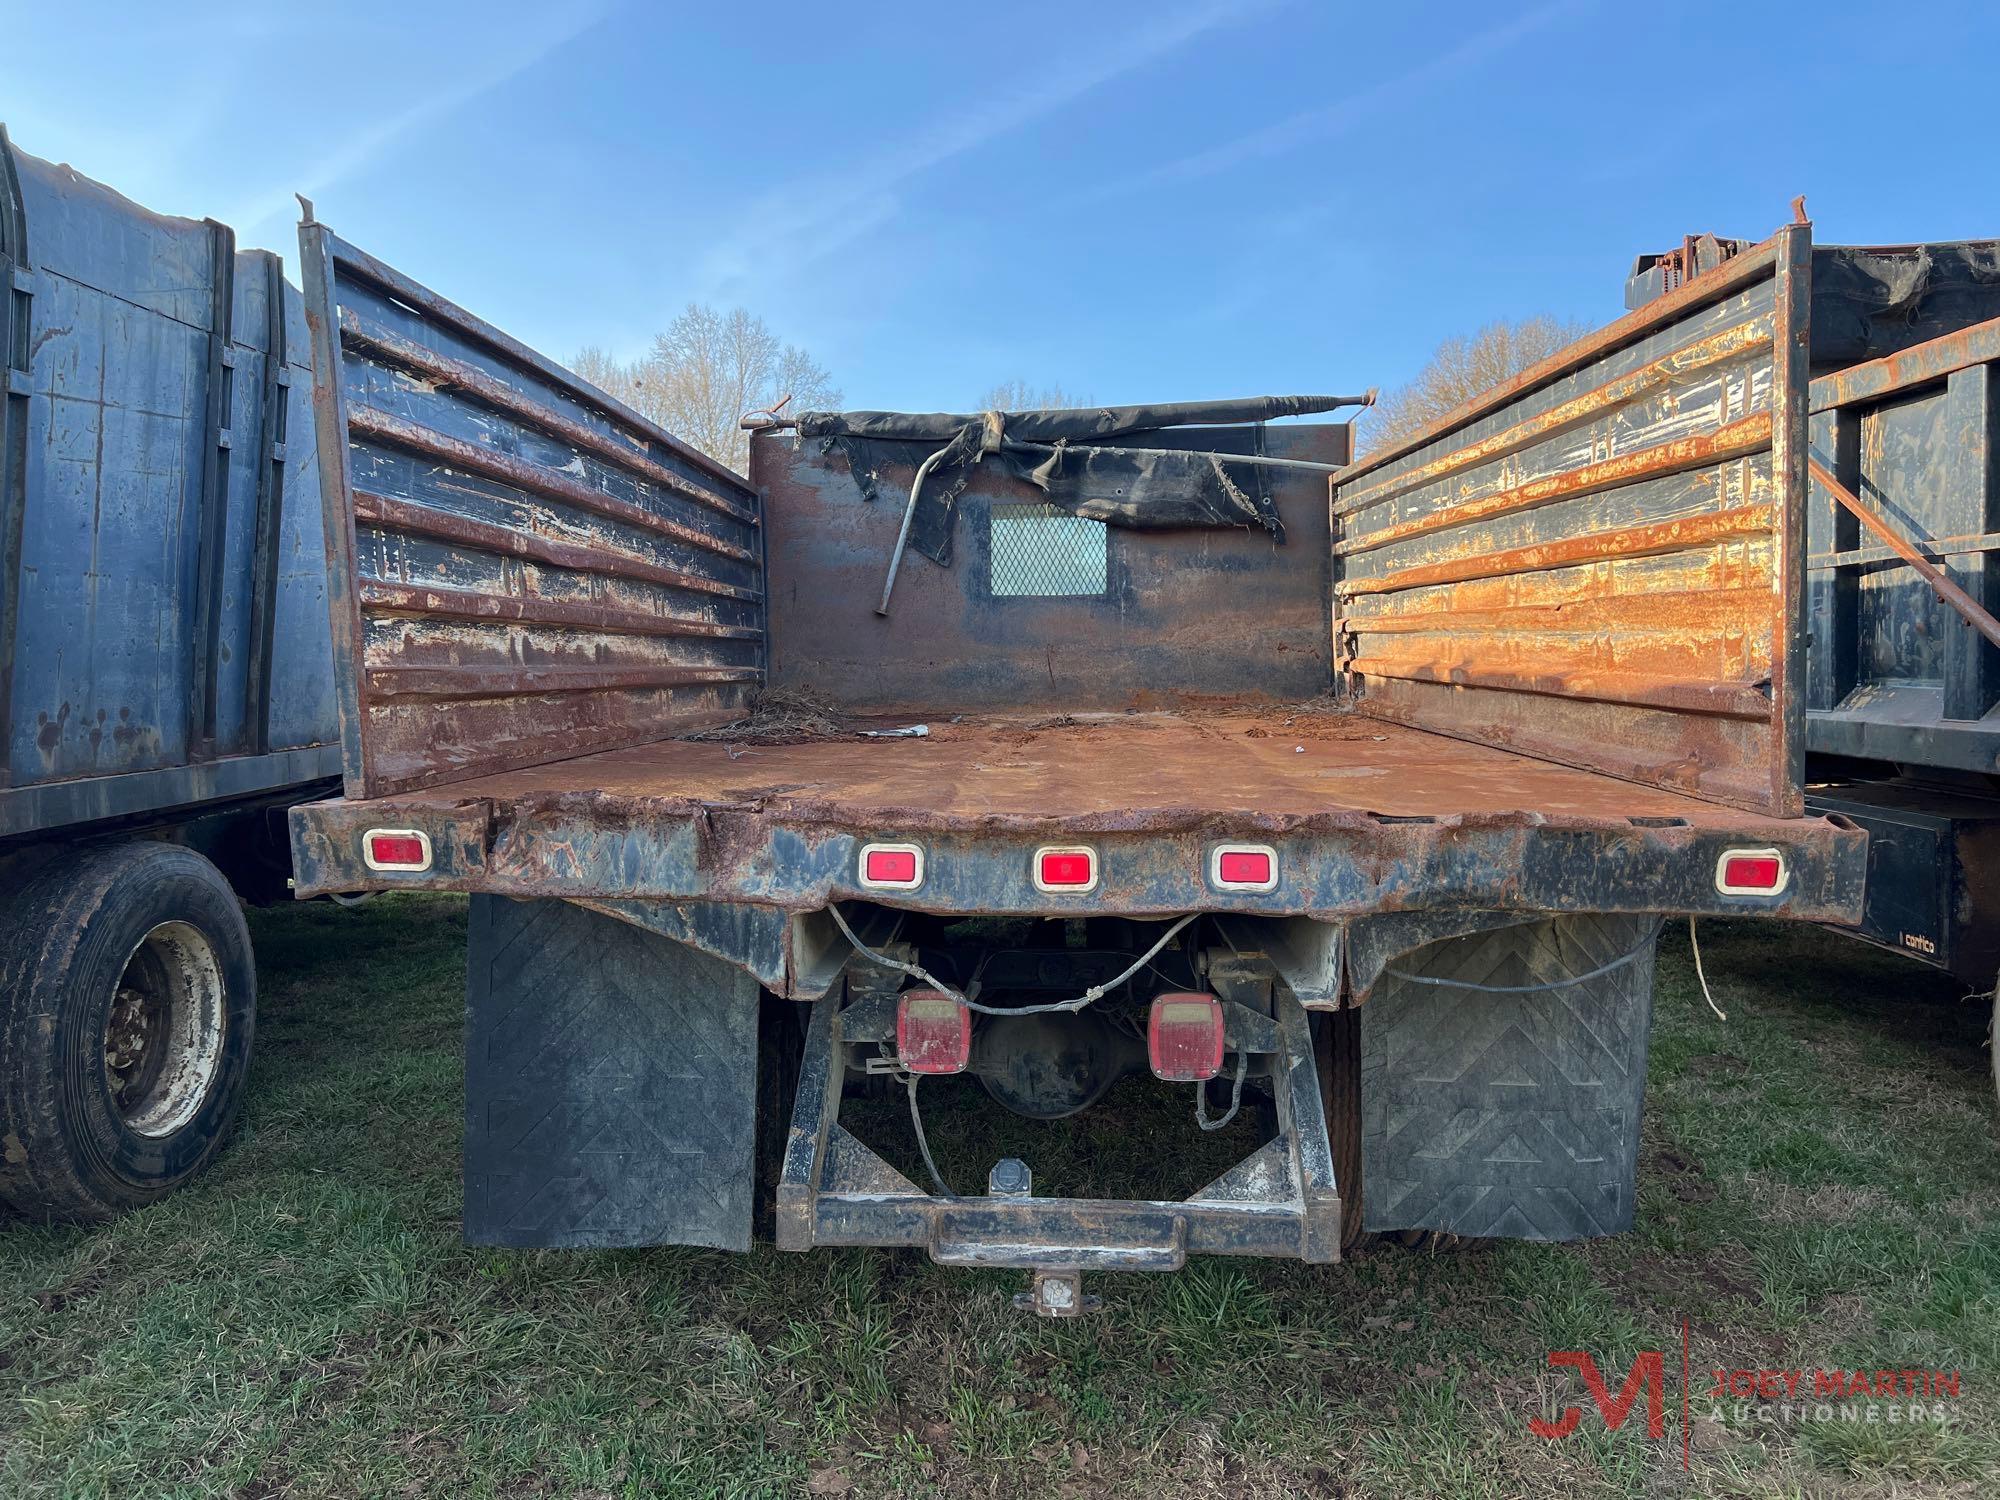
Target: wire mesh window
[{"x": 1043, "y": 551}]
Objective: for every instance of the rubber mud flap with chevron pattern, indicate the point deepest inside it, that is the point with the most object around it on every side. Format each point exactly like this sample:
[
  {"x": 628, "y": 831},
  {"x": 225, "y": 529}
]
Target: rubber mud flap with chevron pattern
[
  {"x": 1508, "y": 1115},
  {"x": 610, "y": 1084}
]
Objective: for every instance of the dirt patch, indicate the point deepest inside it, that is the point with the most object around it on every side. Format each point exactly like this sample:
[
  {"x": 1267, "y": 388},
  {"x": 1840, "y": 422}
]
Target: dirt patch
[
  {"x": 1689, "y": 1283},
  {"x": 1682, "y": 1175}
]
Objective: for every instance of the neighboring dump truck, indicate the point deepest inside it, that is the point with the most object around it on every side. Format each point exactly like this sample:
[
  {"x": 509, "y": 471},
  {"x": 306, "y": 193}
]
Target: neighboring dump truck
[
  {"x": 166, "y": 684},
  {"x": 1359, "y": 790},
  {"x": 1903, "y": 579}
]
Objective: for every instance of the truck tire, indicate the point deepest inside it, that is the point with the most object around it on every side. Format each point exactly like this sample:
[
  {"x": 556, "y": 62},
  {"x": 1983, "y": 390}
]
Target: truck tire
[
  {"x": 1337, "y": 1046},
  {"x": 780, "y": 1050},
  {"x": 127, "y": 1010},
  {"x": 1337, "y": 1049}
]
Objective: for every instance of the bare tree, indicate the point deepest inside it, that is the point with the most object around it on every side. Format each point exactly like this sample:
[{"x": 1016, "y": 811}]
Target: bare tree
[
  {"x": 1459, "y": 370},
  {"x": 608, "y": 373},
  {"x": 1018, "y": 395},
  {"x": 705, "y": 371}
]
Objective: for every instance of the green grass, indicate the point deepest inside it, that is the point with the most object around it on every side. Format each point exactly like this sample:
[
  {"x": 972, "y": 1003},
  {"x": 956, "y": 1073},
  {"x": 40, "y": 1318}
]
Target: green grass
[{"x": 1820, "y": 1186}]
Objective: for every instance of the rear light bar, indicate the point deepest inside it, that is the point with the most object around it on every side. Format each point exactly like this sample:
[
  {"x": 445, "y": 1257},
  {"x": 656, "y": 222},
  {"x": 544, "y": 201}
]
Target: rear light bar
[
  {"x": 1184, "y": 1036},
  {"x": 1751, "y": 872},
  {"x": 933, "y": 1032},
  {"x": 892, "y": 867},
  {"x": 1243, "y": 867},
  {"x": 1070, "y": 868},
  {"x": 396, "y": 849}
]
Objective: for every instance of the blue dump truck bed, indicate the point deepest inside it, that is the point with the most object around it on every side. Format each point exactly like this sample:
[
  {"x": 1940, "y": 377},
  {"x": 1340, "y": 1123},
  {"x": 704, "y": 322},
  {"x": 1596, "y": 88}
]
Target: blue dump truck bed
[{"x": 163, "y": 628}]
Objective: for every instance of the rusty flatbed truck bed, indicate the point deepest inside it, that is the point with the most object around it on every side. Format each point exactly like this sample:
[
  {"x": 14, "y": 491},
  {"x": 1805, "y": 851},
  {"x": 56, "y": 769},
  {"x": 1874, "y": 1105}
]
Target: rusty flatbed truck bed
[{"x": 1364, "y": 820}]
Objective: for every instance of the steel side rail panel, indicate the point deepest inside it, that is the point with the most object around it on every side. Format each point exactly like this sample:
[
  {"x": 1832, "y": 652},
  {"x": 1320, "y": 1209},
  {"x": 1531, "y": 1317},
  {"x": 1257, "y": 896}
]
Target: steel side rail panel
[
  {"x": 522, "y": 569},
  {"x": 1601, "y": 561}
]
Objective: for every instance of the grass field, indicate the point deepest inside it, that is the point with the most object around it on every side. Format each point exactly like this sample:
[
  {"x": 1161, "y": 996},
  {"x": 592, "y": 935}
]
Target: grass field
[{"x": 1820, "y": 1187}]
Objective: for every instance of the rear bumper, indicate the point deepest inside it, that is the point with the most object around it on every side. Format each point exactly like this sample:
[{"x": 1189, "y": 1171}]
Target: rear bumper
[
  {"x": 1282, "y": 1201},
  {"x": 580, "y": 847}
]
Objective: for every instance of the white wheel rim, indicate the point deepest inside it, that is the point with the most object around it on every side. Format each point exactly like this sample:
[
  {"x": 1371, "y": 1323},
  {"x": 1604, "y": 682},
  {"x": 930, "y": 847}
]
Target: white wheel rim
[{"x": 164, "y": 1033}]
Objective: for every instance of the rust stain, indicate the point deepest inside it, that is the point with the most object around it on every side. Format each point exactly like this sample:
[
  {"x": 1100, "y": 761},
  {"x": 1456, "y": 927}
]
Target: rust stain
[
  {"x": 49, "y": 736},
  {"x": 1916, "y": 365},
  {"x": 499, "y": 682},
  {"x": 1658, "y": 313},
  {"x": 1628, "y": 542},
  {"x": 596, "y": 557},
  {"x": 353, "y": 261},
  {"x": 1718, "y": 348},
  {"x": 1706, "y": 611},
  {"x": 1719, "y": 758},
  {"x": 448, "y": 374},
  {"x": 1644, "y": 689},
  {"x": 369, "y": 423},
  {"x": 458, "y": 605},
  {"x": 1108, "y": 772},
  {"x": 1749, "y": 435}
]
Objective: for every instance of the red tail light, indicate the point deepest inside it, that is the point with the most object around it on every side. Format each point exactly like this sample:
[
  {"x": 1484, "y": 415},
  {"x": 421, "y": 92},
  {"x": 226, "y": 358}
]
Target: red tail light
[
  {"x": 933, "y": 1032},
  {"x": 396, "y": 849},
  {"x": 1750, "y": 872},
  {"x": 1243, "y": 867},
  {"x": 1184, "y": 1037},
  {"x": 892, "y": 867},
  {"x": 1065, "y": 869}
]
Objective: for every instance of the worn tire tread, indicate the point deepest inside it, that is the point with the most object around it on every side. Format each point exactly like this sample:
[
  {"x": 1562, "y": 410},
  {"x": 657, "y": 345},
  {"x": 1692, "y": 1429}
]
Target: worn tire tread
[{"x": 46, "y": 931}]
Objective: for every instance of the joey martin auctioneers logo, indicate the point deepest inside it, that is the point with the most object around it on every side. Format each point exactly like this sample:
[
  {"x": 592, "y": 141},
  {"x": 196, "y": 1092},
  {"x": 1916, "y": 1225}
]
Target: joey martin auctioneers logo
[{"x": 1742, "y": 1395}]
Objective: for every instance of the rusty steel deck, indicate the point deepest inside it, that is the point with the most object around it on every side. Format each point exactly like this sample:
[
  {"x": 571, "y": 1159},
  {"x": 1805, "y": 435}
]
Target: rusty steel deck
[{"x": 1366, "y": 816}]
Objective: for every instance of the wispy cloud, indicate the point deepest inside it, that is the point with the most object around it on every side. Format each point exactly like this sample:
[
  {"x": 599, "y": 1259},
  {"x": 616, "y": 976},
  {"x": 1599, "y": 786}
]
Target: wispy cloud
[
  {"x": 361, "y": 147},
  {"x": 810, "y": 217},
  {"x": 1312, "y": 126}
]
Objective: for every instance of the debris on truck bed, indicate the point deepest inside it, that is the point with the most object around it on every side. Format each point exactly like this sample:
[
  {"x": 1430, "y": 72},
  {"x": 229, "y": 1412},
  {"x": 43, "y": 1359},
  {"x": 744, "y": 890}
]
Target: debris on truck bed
[{"x": 780, "y": 716}]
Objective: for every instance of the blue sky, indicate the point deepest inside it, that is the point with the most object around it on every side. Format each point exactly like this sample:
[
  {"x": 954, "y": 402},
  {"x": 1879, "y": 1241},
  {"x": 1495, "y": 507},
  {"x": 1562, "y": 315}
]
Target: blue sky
[{"x": 1160, "y": 201}]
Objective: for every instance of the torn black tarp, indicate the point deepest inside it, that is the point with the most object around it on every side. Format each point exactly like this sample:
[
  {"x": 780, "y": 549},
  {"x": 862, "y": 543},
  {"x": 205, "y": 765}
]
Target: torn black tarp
[{"x": 1063, "y": 454}]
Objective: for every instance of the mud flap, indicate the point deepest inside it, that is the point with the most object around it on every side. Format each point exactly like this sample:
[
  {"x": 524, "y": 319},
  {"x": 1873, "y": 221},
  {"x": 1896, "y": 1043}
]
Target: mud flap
[
  {"x": 610, "y": 1084},
  {"x": 1510, "y": 1115}
]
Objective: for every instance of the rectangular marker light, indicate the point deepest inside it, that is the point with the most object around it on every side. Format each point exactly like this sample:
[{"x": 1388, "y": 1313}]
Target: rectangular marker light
[
  {"x": 1750, "y": 872},
  {"x": 1066, "y": 869},
  {"x": 892, "y": 867},
  {"x": 396, "y": 849}
]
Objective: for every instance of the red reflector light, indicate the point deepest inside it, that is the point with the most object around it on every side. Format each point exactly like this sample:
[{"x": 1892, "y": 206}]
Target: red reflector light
[
  {"x": 396, "y": 849},
  {"x": 1243, "y": 867},
  {"x": 1184, "y": 1037},
  {"x": 1066, "y": 869},
  {"x": 896, "y": 867},
  {"x": 1750, "y": 872},
  {"x": 933, "y": 1032}
]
